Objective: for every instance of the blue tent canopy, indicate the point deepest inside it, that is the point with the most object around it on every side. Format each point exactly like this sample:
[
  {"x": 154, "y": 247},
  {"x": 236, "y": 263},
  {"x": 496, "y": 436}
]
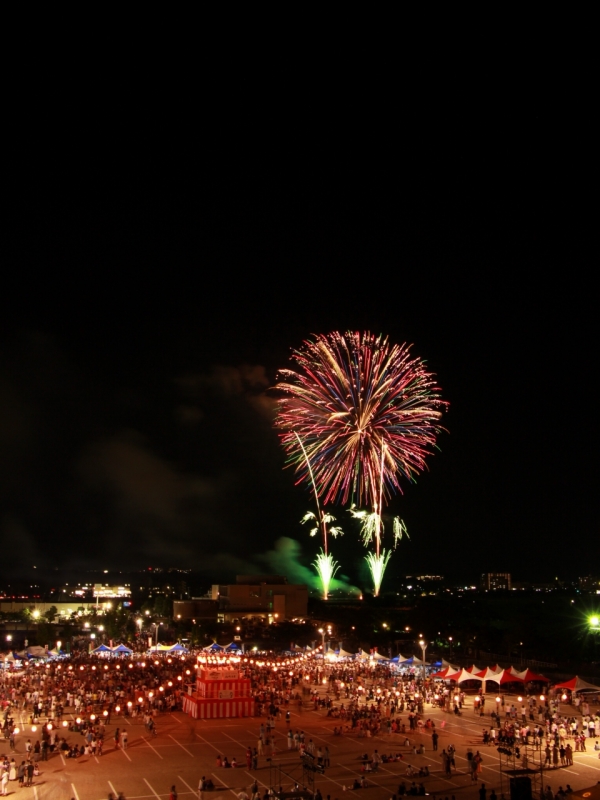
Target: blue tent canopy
[
  {"x": 102, "y": 649},
  {"x": 178, "y": 648},
  {"x": 122, "y": 649}
]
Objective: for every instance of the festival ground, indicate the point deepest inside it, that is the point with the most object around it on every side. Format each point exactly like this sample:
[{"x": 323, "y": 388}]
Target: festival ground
[{"x": 185, "y": 749}]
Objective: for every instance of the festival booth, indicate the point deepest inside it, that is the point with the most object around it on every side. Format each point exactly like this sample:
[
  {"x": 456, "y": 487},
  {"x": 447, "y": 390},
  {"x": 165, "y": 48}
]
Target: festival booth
[
  {"x": 378, "y": 657},
  {"x": 56, "y": 653},
  {"x": 532, "y": 677},
  {"x": 213, "y": 648},
  {"x": 158, "y": 649},
  {"x": 122, "y": 650},
  {"x": 101, "y": 650},
  {"x": 221, "y": 692},
  {"x": 36, "y": 651},
  {"x": 464, "y": 675},
  {"x": 577, "y": 684},
  {"x": 506, "y": 676},
  {"x": 178, "y": 649}
]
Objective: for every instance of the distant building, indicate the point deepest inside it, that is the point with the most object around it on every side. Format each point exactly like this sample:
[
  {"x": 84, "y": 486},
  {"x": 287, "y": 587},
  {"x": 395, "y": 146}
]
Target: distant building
[
  {"x": 267, "y": 597},
  {"x": 493, "y": 581},
  {"x": 104, "y": 591},
  {"x": 196, "y": 608}
]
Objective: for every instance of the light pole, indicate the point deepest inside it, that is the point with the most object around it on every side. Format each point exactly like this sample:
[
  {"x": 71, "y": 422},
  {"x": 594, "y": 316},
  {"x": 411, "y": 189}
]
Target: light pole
[
  {"x": 423, "y": 644},
  {"x": 322, "y": 632},
  {"x": 156, "y": 624},
  {"x": 450, "y": 640}
]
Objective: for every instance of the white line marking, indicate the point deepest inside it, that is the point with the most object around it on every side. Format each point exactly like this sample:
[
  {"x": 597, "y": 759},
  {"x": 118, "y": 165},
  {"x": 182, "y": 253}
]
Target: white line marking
[
  {"x": 193, "y": 791},
  {"x": 226, "y": 789},
  {"x": 182, "y": 747},
  {"x": 210, "y": 744},
  {"x": 152, "y": 748},
  {"x": 151, "y": 789},
  {"x": 112, "y": 788},
  {"x": 75, "y": 791},
  {"x": 176, "y": 720}
]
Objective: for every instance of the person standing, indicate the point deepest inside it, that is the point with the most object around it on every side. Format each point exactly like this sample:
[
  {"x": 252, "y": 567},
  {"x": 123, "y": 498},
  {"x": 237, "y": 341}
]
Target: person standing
[
  {"x": 434, "y": 740},
  {"x": 173, "y": 793}
]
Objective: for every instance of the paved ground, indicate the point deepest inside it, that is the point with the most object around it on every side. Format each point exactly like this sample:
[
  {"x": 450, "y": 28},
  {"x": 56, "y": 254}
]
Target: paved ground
[{"x": 185, "y": 749}]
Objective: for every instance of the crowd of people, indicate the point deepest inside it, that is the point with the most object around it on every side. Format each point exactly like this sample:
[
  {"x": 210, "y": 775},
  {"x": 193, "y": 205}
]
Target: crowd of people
[{"x": 363, "y": 699}]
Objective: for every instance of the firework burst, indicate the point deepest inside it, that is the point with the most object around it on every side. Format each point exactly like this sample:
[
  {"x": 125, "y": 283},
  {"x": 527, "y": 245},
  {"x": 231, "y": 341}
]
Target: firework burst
[
  {"x": 357, "y": 408},
  {"x": 357, "y": 416}
]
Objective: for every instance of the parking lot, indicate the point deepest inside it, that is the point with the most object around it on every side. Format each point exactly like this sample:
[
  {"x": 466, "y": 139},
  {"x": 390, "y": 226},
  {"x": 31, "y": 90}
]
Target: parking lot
[{"x": 184, "y": 749}]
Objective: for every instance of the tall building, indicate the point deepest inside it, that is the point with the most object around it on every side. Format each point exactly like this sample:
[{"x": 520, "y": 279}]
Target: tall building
[{"x": 492, "y": 581}]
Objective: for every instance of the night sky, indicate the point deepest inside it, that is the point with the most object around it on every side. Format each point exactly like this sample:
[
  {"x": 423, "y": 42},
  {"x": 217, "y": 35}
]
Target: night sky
[{"x": 150, "y": 311}]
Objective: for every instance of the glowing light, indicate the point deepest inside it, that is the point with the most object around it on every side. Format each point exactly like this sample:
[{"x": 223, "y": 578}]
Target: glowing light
[
  {"x": 350, "y": 395},
  {"x": 326, "y": 567},
  {"x": 117, "y": 709},
  {"x": 65, "y": 724},
  {"x": 33, "y": 728},
  {"x": 358, "y": 416},
  {"x": 542, "y": 698},
  {"x": 377, "y": 564}
]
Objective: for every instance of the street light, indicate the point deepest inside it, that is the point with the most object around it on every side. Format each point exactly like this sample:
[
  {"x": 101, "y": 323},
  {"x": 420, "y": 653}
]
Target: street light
[
  {"x": 423, "y": 644},
  {"x": 450, "y": 640},
  {"x": 322, "y": 632},
  {"x": 156, "y": 624}
]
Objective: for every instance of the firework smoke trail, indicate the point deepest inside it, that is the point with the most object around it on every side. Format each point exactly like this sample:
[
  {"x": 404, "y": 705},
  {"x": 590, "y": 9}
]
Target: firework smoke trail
[
  {"x": 312, "y": 478},
  {"x": 325, "y": 564}
]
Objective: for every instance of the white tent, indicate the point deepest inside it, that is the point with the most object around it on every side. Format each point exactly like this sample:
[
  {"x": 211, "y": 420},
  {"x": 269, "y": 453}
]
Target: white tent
[
  {"x": 465, "y": 676},
  {"x": 451, "y": 666},
  {"x": 379, "y": 657}
]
